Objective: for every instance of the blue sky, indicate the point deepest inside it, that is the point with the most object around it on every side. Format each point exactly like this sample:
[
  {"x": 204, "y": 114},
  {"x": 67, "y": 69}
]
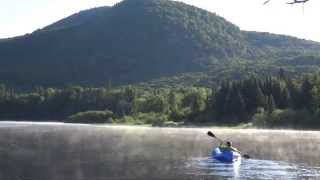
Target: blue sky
[{"x": 19, "y": 17}]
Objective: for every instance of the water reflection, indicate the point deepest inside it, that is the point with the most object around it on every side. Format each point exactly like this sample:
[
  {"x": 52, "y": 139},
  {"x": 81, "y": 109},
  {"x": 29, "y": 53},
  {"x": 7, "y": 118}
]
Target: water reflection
[
  {"x": 212, "y": 167},
  {"x": 250, "y": 169},
  {"x": 81, "y": 152}
]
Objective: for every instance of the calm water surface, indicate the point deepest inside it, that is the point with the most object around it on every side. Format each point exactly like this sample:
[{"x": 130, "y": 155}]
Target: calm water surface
[{"x": 53, "y": 151}]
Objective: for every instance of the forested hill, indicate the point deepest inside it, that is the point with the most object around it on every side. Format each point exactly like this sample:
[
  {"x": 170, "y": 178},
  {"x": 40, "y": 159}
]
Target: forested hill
[
  {"x": 264, "y": 43},
  {"x": 136, "y": 41},
  {"x": 83, "y": 17}
]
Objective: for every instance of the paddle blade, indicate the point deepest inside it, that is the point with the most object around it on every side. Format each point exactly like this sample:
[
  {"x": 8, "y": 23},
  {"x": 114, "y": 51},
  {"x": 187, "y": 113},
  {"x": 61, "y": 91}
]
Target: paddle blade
[
  {"x": 246, "y": 156},
  {"x": 210, "y": 134}
]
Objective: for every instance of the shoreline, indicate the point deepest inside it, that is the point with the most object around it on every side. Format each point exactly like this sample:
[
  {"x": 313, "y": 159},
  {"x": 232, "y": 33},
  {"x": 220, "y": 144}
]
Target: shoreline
[{"x": 12, "y": 123}]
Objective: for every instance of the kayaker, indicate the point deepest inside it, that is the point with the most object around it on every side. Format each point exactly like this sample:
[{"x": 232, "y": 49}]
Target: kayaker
[
  {"x": 225, "y": 146},
  {"x": 228, "y": 147}
]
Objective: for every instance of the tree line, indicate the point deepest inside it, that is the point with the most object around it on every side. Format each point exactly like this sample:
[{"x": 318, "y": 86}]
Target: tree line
[
  {"x": 273, "y": 101},
  {"x": 60, "y": 104},
  {"x": 268, "y": 101}
]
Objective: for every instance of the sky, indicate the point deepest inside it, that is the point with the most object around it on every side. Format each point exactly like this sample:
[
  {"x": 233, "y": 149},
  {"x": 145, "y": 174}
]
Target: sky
[{"x": 18, "y": 17}]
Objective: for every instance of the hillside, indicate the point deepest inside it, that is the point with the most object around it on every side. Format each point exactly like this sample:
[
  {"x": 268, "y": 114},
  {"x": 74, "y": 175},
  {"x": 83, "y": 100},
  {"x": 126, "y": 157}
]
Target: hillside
[
  {"x": 137, "y": 41},
  {"x": 77, "y": 19},
  {"x": 265, "y": 44}
]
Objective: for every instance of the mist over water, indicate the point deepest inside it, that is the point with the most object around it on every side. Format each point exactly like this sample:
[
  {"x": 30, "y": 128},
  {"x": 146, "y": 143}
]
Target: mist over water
[{"x": 83, "y": 152}]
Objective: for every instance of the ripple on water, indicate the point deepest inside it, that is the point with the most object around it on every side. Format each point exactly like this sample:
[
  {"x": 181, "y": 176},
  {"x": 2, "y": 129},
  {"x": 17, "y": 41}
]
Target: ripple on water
[{"x": 250, "y": 169}]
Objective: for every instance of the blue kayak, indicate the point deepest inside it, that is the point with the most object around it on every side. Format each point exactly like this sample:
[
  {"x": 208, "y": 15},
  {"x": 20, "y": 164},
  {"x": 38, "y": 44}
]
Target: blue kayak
[{"x": 225, "y": 156}]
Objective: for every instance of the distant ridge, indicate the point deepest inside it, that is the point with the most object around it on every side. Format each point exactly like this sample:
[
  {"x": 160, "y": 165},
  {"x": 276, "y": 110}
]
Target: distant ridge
[
  {"x": 77, "y": 19},
  {"x": 137, "y": 41}
]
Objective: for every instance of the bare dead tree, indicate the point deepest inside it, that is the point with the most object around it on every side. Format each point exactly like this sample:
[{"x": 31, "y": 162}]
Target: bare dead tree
[
  {"x": 293, "y": 2},
  {"x": 266, "y": 2},
  {"x": 298, "y": 1}
]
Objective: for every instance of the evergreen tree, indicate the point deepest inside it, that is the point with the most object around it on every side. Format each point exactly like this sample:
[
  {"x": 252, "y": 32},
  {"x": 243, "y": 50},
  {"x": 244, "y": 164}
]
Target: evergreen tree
[
  {"x": 235, "y": 105},
  {"x": 295, "y": 95},
  {"x": 270, "y": 104},
  {"x": 282, "y": 74},
  {"x": 172, "y": 101},
  {"x": 253, "y": 94},
  {"x": 129, "y": 94},
  {"x": 307, "y": 95},
  {"x": 284, "y": 100},
  {"x": 276, "y": 91},
  {"x": 267, "y": 86},
  {"x": 220, "y": 99}
]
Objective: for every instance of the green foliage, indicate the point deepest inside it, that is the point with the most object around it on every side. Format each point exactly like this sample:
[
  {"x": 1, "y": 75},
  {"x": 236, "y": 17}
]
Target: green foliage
[
  {"x": 172, "y": 101},
  {"x": 196, "y": 100},
  {"x": 306, "y": 95},
  {"x": 286, "y": 118},
  {"x": 155, "y": 119},
  {"x": 170, "y": 40},
  {"x": 171, "y": 56},
  {"x": 85, "y": 105},
  {"x": 78, "y": 19},
  {"x": 267, "y": 102},
  {"x": 235, "y": 104},
  {"x": 270, "y": 106},
  {"x": 155, "y": 104},
  {"x": 91, "y": 117}
]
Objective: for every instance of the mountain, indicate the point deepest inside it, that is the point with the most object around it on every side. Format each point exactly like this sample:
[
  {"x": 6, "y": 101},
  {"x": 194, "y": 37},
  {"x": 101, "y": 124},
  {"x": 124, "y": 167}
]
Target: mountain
[
  {"x": 136, "y": 41},
  {"x": 267, "y": 43},
  {"x": 77, "y": 19}
]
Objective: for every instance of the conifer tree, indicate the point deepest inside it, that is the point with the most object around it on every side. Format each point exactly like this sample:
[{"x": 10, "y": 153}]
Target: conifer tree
[
  {"x": 284, "y": 100},
  {"x": 235, "y": 104},
  {"x": 172, "y": 101},
  {"x": 220, "y": 99},
  {"x": 270, "y": 104},
  {"x": 295, "y": 94},
  {"x": 307, "y": 95},
  {"x": 253, "y": 95}
]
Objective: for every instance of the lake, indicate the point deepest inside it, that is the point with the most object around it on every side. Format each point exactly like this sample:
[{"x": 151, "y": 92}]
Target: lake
[{"x": 57, "y": 151}]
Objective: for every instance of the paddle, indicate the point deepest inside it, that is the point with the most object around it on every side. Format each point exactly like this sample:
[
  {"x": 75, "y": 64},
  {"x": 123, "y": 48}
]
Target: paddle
[
  {"x": 214, "y": 136},
  {"x": 221, "y": 141}
]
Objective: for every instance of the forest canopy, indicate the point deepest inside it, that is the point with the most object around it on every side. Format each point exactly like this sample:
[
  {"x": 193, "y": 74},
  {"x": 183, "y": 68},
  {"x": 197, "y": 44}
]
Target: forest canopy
[{"x": 268, "y": 102}]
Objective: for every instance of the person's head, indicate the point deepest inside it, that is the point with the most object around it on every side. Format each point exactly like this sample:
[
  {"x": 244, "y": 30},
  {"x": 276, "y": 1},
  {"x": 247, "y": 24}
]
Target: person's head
[{"x": 229, "y": 143}]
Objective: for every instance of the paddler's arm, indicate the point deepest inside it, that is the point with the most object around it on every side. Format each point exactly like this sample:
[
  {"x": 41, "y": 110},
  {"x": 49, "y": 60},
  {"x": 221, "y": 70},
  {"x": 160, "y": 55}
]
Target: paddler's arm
[{"x": 236, "y": 150}]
